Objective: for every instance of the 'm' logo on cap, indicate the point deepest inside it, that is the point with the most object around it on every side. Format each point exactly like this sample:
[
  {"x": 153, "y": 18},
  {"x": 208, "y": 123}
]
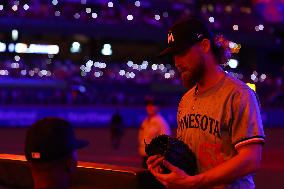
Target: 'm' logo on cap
[
  {"x": 35, "y": 155},
  {"x": 170, "y": 37}
]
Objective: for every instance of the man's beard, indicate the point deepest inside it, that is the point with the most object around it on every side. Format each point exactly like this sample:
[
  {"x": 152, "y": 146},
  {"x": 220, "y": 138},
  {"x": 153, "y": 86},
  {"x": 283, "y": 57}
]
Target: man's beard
[{"x": 190, "y": 78}]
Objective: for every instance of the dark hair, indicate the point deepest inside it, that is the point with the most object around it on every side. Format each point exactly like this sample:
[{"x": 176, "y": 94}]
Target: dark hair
[
  {"x": 220, "y": 49},
  {"x": 151, "y": 100},
  {"x": 219, "y": 44}
]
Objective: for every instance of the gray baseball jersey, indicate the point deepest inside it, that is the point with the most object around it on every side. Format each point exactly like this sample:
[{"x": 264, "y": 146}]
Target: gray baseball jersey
[{"x": 216, "y": 122}]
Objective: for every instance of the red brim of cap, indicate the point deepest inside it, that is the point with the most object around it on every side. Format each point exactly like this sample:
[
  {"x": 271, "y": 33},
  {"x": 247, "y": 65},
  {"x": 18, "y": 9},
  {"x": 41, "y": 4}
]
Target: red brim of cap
[{"x": 170, "y": 51}]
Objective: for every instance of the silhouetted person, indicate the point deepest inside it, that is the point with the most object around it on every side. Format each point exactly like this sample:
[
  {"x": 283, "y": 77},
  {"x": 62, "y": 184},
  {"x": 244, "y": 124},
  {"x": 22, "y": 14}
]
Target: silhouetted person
[
  {"x": 116, "y": 129},
  {"x": 50, "y": 149}
]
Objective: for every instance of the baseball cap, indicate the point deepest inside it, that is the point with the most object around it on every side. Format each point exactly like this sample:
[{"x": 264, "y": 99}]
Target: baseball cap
[
  {"x": 50, "y": 139},
  {"x": 185, "y": 34}
]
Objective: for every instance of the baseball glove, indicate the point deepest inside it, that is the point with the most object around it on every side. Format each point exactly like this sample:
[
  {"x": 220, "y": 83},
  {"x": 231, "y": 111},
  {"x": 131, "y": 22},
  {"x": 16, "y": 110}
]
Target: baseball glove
[{"x": 175, "y": 151}]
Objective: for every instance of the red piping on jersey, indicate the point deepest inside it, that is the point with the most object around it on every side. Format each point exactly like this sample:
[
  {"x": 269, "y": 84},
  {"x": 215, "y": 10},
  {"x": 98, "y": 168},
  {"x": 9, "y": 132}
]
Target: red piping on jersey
[{"x": 251, "y": 140}]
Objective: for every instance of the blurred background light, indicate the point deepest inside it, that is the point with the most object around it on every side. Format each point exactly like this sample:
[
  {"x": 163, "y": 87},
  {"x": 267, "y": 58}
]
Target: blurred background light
[
  {"x": 211, "y": 19},
  {"x": 106, "y": 50},
  {"x": 130, "y": 17},
  {"x": 233, "y": 63},
  {"x": 110, "y": 4},
  {"x": 252, "y": 86},
  {"x": 26, "y": 6},
  {"x": 54, "y": 2},
  {"x": 2, "y": 47},
  {"x": 75, "y": 47},
  {"x": 137, "y": 3}
]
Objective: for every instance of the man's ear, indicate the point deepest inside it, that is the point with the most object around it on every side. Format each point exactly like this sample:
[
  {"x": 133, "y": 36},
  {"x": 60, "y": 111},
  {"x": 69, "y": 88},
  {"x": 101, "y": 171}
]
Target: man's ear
[{"x": 205, "y": 45}]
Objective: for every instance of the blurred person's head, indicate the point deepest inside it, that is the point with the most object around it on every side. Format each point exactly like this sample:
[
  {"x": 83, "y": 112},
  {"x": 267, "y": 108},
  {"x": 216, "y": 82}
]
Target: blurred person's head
[
  {"x": 51, "y": 151},
  {"x": 151, "y": 105},
  {"x": 194, "y": 49}
]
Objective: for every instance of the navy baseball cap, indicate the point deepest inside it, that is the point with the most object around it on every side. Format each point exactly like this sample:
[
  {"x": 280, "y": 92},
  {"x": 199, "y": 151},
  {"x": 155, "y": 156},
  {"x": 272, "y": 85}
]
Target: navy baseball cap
[
  {"x": 50, "y": 139},
  {"x": 185, "y": 34}
]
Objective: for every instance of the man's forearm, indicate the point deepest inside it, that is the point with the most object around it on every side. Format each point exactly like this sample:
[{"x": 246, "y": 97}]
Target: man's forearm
[{"x": 245, "y": 162}]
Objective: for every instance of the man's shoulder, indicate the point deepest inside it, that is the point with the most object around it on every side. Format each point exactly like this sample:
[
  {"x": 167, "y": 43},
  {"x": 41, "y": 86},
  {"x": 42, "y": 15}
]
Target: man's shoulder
[
  {"x": 236, "y": 85},
  {"x": 239, "y": 90},
  {"x": 158, "y": 117}
]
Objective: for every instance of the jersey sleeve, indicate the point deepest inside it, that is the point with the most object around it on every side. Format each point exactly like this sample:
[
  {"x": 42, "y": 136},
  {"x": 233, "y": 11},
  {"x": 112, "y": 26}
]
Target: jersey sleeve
[{"x": 246, "y": 119}]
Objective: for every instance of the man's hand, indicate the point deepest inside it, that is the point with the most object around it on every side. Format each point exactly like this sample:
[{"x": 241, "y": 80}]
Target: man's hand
[
  {"x": 176, "y": 179},
  {"x": 154, "y": 163}
]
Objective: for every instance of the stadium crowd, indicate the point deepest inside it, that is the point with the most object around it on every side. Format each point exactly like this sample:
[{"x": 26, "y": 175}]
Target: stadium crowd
[{"x": 115, "y": 83}]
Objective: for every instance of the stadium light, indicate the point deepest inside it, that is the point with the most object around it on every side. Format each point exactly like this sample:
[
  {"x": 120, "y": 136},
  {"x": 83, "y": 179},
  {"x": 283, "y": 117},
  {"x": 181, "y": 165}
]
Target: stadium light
[
  {"x": 15, "y": 35},
  {"x": 76, "y": 47},
  {"x": 107, "y": 51},
  {"x": 2, "y": 47},
  {"x": 233, "y": 63}
]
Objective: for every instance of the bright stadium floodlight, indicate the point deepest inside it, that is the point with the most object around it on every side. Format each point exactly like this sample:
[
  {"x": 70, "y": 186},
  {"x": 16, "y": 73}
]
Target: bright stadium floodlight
[
  {"x": 157, "y": 17},
  {"x": 17, "y": 58},
  {"x": 21, "y": 48},
  {"x": 43, "y": 49},
  {"x": 11, "y": 47},
  {"x": 26, "y": 6},
  {"x": 211, "y": 19},
  {"x": 94, "y": 15},
  {"x": 167, "y": 75},
  {"x": 90, "y": 63},
  {"x": 233, "y": 63},
  {"x": 110, "y": 4},
  {"x": 76, "y": 47},
  {"x": 129, "y": 17},
  {"x": 34, "y": 48},
  {"x": 130, "y": 63},
  {"x": 154, "y": 67},
  {"x": 137, "y": 3},
  {"x": 15, "y": 8},
  {"x": 107, "y": 51},
  {"x": 15, "y": 35},
  {"x": 122, "y": 72},
  {"x": 54, "y": 2},
  {"x": 88, "y": 10},
  {"x": 2, "y": 47}
]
